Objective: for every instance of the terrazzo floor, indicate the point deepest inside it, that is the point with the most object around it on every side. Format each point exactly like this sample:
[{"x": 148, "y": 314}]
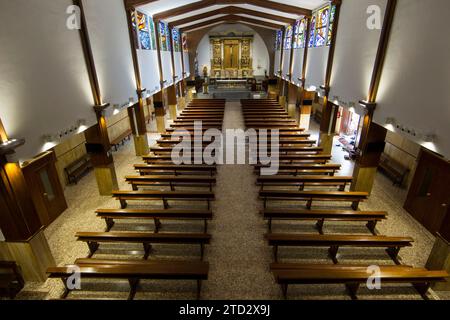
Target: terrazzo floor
[{"x": 238, "y": 255}]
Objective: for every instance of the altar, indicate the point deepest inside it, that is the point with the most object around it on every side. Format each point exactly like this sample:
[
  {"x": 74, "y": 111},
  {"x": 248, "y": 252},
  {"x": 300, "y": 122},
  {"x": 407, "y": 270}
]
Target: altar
[{"x": 231, "y": 56}]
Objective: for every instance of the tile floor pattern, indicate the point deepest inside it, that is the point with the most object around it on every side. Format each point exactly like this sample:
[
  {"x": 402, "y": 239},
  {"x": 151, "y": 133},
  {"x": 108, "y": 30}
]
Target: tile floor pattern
[{"x": 238, "y": 255}]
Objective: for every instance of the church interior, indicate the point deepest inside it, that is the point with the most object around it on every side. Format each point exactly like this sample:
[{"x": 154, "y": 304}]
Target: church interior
[{"x": 94, "y": 205}]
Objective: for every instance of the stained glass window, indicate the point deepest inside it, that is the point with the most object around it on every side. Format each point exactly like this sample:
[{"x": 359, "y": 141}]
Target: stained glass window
[
  {"x": 312, "y": 32},
  {"x": 279, "y": 40},
  {"x": 296, "y": 41},
  {"x": 330, "y": 28},
  {"x": 168, "y": 32},
  {"x": 288, "y": 38},
  {"x": 322, "y": 27},
  {"x": 176, "y": 40},
  {"x": 144, "y": 35},
  {"x": 152, "y": 33},
  {"x": 162, "y": 36}
]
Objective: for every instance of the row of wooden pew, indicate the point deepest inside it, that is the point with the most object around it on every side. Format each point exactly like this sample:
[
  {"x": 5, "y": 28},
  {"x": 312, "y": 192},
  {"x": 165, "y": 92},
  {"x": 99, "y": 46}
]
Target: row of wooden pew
[
  {"x": 158, "y": 179},
  {"x": 305, "y": 175}
]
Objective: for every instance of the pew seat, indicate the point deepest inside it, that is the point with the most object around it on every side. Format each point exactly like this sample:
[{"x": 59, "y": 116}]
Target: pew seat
[
  {"x": 354, "y": 197},
  {"x": 305, "y": 180},
  {"x": 165, "y": 196},
  {"x": 93, "y": 239},
  {"x": 333, "y": 242},
  {"x": 372, "y": 217},
  {"x": 171, "y": 181},
  {"x": 133, "y": 271},
  {"x": 110, "y": 215},
  {"x": 354, "y": 276},
  {"x": 173, "y": 169}
]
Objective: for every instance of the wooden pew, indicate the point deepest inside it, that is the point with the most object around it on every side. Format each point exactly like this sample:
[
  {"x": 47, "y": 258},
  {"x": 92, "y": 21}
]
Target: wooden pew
[
  {"x": 93, "y": 239},
  {"x": 303, "y": 158},
  {"x": 282, "y": 136},
  {"x": 165, "y": 196},
  {"x": 334, "y": 242},
  {"x": 133, "y": 271},
  {"x": 372, "y": 217},
  {"x": 353, "y": 276},
  {"x": 173, "y": 169},
  {"x": 354, "y": 197},
  {"x": 110, "y": 215},
  {"x": 303, "y": 181},
  {"x": 297, "y": 169},
  {"x": 171, "y": 181},
  {"x": 280, "y": 130},
  {"x": 11, "y": 279}
]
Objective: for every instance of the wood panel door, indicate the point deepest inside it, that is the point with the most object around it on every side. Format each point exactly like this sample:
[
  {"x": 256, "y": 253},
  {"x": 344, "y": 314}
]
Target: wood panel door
[
  {"x": 231, "y": 56},
  {"x": 47, "y": 193},
  {"x": 428, "y": 199}
]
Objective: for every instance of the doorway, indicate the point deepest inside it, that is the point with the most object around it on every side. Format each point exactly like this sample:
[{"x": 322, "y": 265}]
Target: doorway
[
  {"x": 46, "y": 190},
  {"x": 429, "y": 196}
]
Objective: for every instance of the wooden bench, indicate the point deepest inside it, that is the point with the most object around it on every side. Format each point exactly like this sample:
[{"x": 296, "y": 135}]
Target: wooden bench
[
  {"x": 121, "y": 139},
  {"x": 167, "y": 159},
  {"x": 312, "y": 150},
  {"x": 333, "y": 242},
  {"x": 306, "y": 168},
  {"x": 354, "y": 197},
  {"x": 353, "y": 276},
  {"x": 146, "y": 238},
  {"x": 171, "y": 181},
  {"x": 286, "y": 142},
  {"x": 303, "y": 181},
  {"x": 133, "y": 271},
  {"x": 77, "y": 169},
  {"x": 372, "y": 217},
  {"x": 110, "y": 215},
  {"x": 165, "y": 196},
  {"x": 393, "y": 169},
  {"x": 174, "y": 169},
  {"x": 11, "y": 279}
]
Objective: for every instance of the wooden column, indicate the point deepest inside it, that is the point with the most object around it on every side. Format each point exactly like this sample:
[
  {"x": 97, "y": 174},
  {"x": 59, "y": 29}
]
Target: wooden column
[
  {"x": 160, "y": 111},
  {"x": 292, "y": 100},
  {"x": 372, "y": 135},
  {"x": 172, "y": 101},
  {"x": 97, "y": 139},
  {"x": 328, "y": 123},
  {"x": 137, "y": 113},
  {"x": 25, "y": 242}
]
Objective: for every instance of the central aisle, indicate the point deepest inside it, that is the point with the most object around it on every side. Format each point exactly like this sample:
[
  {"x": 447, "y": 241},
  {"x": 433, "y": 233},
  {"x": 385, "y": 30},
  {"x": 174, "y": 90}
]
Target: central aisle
[{"x": 238, "y": 255}]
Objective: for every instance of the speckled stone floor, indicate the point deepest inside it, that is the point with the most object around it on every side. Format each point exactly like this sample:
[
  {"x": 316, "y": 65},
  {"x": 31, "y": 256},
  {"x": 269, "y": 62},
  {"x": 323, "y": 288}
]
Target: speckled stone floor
[{"x": 238, "y": 255}]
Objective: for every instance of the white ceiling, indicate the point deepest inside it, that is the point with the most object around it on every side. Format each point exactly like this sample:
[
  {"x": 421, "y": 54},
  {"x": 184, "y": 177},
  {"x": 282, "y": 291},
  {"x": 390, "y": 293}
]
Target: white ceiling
[{"x": 164, "y": 5}]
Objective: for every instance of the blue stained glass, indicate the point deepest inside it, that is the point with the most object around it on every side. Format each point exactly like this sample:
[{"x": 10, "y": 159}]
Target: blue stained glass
[{"x": 145, "y": 40}]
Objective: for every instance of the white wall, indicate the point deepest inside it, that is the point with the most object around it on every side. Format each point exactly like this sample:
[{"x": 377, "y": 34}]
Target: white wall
[
  {"x": 187, "y": 65},
  {"x": 286, "y": 63},
  {"x": 276, "y": 65},
  {"x": 148, "y": 66},
  {"x": 44, "y": 84},
  {"x": 297, "y": 62},
  {"x": 416, "y": 78},
  {"x": 355, "y": 51},
  {"x": 166, "y": 61},
  {"x": 260, "y": 53},
  {"x": 178, "y": 66},
  {"x": 108, "y": 32},
  {"x": 316, "y": 66}
]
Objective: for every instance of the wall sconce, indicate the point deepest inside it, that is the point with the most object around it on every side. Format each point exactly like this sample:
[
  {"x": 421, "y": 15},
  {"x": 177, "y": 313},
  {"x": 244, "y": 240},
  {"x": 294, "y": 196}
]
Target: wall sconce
[
  {"x": 336, "y": 100},
  {"x": 430, "y": 137},
  {"x": 131, "y": 101},
  {"x": 116, "y": 109},
  {"x": 312, "y": 88},
  {"x": 390, "y": 121},
  {"x": 351, "y": 107},
  {"x": 9, "y": 146},
  {"x": 149, "y": 94},
  {"x": 368, "y": 106}
]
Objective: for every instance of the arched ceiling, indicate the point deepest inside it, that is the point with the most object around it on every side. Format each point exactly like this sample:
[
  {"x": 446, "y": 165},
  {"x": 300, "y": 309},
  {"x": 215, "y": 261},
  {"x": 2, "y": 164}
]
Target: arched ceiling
[{"x": 190, "y": 15}]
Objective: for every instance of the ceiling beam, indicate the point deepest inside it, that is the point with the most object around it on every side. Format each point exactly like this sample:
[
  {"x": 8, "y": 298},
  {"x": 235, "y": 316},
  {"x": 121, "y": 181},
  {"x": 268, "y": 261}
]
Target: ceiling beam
[
  {"x": 208, "y": 3},
  {"x": 129, "y": 4},
  {"x": 232, "y": 18},
  {"x": 232, "y": 10}
]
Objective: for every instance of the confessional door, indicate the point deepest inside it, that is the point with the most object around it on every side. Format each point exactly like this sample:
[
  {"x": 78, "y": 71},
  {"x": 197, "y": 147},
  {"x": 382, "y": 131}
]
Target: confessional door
[
  {"x": 428, "y": 200},
  {"x": 46, "y": 190}
]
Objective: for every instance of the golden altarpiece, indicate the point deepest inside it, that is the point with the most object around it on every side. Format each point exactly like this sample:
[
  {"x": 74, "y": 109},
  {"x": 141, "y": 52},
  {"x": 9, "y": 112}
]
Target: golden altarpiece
[{"x": 231, "y": 56}]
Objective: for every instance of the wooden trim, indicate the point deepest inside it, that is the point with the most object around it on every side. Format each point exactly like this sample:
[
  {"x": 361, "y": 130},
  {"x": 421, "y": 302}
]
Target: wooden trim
[
  {"x": 88, "y": 55},
  {"x": 137, "y": 72},
  {"x": 305, "y": 55},
  {"x": 232, "y": 10},
  {"x": 233, "y": 18},
  {"x": 332, "y": 48},
  {"x": 3, "y": 134},
  {"x": 208, "y": 3},
  {"x": 382, "y": 50}
]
